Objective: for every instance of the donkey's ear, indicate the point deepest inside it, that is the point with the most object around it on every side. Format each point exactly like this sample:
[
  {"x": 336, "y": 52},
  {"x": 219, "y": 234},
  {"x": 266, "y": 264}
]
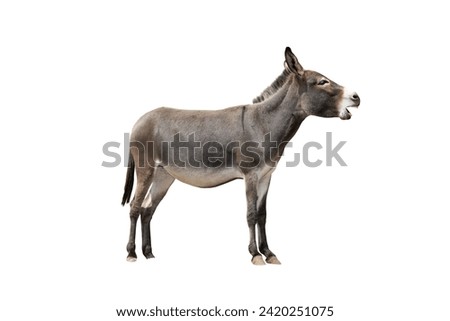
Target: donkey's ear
[{"x": 291, "y": 62}]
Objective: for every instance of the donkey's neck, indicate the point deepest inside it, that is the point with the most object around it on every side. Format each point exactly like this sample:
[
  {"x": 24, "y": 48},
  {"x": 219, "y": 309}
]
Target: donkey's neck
[{"x": 282, "y": 113}]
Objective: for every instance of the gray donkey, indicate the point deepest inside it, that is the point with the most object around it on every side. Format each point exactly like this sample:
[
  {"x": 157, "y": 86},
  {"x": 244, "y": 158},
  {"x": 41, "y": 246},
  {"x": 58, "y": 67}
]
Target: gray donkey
[{"x": 210, "y": 148}]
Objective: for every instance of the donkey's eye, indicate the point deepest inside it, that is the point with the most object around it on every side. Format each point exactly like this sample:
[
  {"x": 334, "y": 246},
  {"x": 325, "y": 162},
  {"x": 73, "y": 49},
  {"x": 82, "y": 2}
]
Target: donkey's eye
[{"x": 323, "y": 82}]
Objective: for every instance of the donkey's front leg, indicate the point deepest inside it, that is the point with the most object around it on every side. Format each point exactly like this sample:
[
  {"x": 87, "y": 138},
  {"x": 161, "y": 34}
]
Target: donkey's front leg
[
  {"x": 263, "y": 188},
  {"x": 263, "y": 246},
  {"x": 251, "y": 184}
]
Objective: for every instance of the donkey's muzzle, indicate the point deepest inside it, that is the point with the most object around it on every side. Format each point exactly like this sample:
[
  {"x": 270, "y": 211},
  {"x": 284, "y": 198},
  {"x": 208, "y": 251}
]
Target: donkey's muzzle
[
  {"x": 356, "y": 100},
  {"x": 349, "y": 99}
]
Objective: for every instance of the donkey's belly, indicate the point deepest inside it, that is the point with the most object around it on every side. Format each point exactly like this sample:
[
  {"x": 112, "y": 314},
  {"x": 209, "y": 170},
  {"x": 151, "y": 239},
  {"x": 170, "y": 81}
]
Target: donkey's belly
[{"x": 204, "y": 177}]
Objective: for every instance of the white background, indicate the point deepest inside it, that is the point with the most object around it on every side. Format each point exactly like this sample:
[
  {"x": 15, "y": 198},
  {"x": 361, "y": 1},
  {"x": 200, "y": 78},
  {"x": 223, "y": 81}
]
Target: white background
[{"x": 371, "y": 239}]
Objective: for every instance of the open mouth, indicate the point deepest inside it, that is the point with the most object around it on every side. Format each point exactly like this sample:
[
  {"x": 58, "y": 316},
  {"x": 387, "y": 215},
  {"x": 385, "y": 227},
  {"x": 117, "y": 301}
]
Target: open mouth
[{"x": 345, "y": 114}]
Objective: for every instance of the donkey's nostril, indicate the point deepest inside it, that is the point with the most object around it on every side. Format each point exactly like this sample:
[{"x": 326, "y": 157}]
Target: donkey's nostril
[{"x": 355, "y": 97}]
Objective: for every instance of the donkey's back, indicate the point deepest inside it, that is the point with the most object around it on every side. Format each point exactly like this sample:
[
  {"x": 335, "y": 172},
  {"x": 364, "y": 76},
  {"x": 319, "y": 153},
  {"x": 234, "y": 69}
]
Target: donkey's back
[{"x": 165, "y": 123}]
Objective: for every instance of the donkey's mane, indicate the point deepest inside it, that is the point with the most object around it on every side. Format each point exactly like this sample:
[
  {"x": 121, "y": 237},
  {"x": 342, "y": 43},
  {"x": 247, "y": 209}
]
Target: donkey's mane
[{"x": 273, "y": 88}]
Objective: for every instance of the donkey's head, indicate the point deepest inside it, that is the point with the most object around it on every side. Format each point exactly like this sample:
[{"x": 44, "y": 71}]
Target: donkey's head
[{"x": 320, "y": 96}]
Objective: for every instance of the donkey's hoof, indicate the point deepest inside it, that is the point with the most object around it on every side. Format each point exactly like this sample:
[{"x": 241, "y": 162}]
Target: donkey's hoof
[
  {"x": 131, "y": 259},
  {"x": 272, "y": 260},
  {"x": 147, "y": 251},
  {"x": 149, "y": 256},
  {"x": 258, "y": 260}
]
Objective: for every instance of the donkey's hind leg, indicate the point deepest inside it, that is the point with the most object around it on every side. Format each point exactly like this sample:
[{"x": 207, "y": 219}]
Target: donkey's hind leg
[
  {"x": 144, "y": 180},
  {"x": 161, "y": 184}
]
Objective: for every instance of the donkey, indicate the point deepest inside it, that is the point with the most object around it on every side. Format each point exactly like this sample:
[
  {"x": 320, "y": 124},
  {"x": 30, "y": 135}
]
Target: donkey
[{"x": 210, "y": 148}]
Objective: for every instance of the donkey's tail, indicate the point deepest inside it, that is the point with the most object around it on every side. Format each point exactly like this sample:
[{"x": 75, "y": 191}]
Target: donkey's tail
[{"x": 129, "y": 181}]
